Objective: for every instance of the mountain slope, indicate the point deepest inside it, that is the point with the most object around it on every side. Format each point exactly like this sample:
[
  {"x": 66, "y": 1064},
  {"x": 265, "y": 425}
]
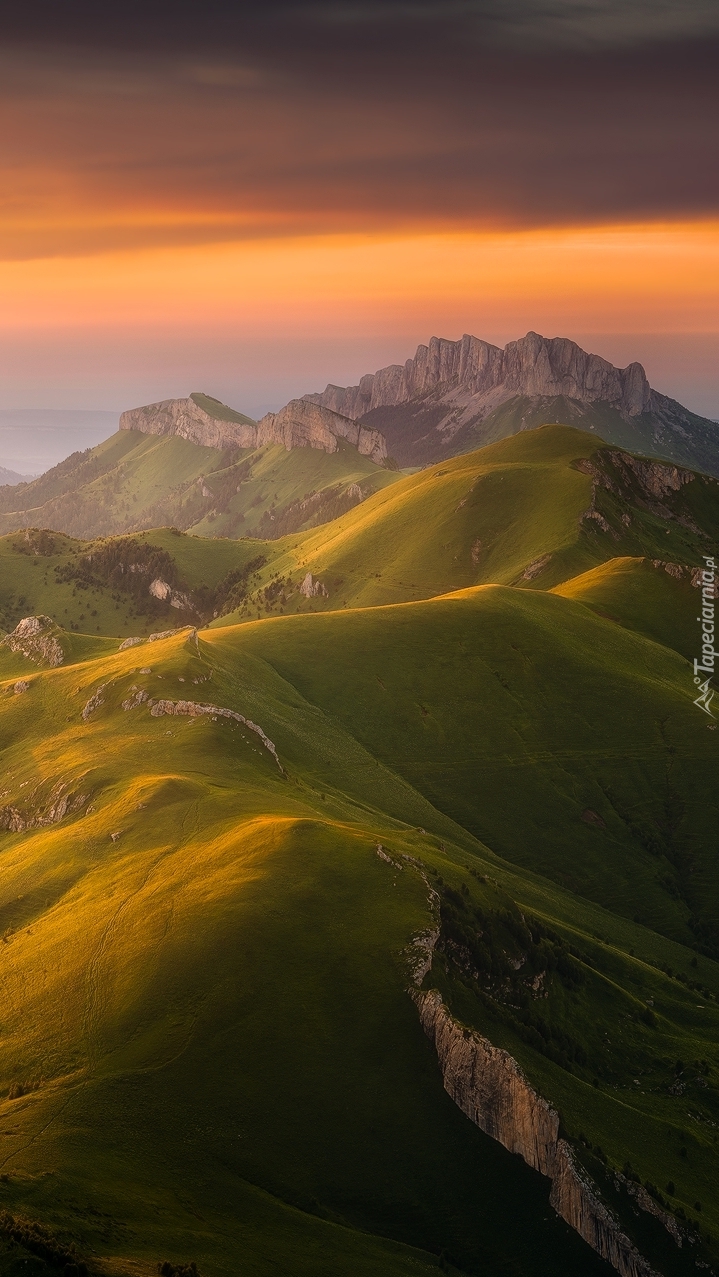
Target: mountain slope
[
  {"x": 656, "y": 598},
  {"x": 536, "y": 510},
  {"x": 455, "y": 396},
  {"x": 208, "y": 1051},
  {"x": 10, "y": 478},
  {"x": 136, "y": 480}
]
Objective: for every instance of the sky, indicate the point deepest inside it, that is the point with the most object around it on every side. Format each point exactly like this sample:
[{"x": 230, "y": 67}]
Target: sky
[{"x": 255, "y": 199}]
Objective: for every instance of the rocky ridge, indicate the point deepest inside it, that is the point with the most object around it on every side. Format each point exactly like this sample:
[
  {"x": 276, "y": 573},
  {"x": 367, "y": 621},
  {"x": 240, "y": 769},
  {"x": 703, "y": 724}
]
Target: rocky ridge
[
  {"x": 480, "y": 376},
  {"x": 455, "y": 395},
  {"x": 35, "y": 637},
  {"x": 488, "y": 1086},
  {"x": 300, "y": 424}
]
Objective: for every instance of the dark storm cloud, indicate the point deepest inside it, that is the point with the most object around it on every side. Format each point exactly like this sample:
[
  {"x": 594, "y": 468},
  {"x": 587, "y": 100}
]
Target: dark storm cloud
[
  {"x": 497, "y": 23},
  {"x": 268, "y": 118}
]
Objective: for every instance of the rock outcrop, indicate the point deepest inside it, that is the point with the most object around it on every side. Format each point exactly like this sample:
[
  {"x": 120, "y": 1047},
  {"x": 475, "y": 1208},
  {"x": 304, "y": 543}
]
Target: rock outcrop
[
  {"x": 196, "y": 710},
  {"x": 303, "y": 424},
  {"x": 188, "y": 419},
  {"x": 488, "y": 1086},
  {"x": 454, "y": 396},
  {"x": 36, "y": 638},
  {"x": 60, "y": 802},
  {"x": 484, "y": 376},
  {"x": 137, "y": 640},
  {"x": 163, "y": 591},
  {"x": 312, "y": 587},
  {"x": 300, "y": 424}
]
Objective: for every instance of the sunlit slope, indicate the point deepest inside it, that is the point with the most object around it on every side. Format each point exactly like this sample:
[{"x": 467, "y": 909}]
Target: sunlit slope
[
  {"x": 207, "y": 1048},
  {"x": 563, "y": 741},
  {"x": 654, "y": 598},
  {"x": 134, "y": 481},
  {"x": 528, "y": 510},
  {"x": 204, "y": 965},
  {"x": 535, "y": 510},
  {"x": 58, "y": 576}
]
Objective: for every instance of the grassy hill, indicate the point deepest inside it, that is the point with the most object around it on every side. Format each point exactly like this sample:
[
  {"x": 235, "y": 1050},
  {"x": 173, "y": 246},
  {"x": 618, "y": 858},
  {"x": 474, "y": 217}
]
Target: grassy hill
[
  {"x": 653, "y": 597},
  {"x": 134, "y": 481},
  {"x": 536, "y": 510},
  {"x": 207, "y": 1050},
  {"x": 481, "y": 729}
]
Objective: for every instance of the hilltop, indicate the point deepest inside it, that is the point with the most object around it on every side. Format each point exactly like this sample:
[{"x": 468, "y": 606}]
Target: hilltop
[
  {"x": 206, "y": 469},
  {"x": 227, "y": 858},
  {"x": 536, "y": 510},
  {"x": 454, "y": 396}
]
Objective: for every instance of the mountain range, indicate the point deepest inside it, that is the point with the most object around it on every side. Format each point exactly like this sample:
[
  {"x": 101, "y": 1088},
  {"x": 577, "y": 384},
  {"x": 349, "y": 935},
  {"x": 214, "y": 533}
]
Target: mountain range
[
  {"x": 201, "y": 466},
  {"x": 10, "y": 477},
  {"x": 458, "y": 395},
  {"x": 382, "y": 939}
]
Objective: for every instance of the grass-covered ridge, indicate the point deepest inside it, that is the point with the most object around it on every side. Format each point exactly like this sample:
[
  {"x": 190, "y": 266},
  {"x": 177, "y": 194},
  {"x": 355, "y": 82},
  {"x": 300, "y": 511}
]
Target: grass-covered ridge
[
  {"x": 204, "y": 980},
  {"x": 536, "y": 511},
  {"x": 134, "y": 481}
]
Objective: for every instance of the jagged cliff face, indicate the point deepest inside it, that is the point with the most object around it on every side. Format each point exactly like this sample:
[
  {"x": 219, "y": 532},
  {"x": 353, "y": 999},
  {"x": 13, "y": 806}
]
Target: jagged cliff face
[
  {"x": 188, "y": 420},
  {"x": 488, "y": 1086},
  {"x": 298, "y": 425},
  {"x": 302, "y": 424},
  {"x": 487, "y": 375},
  {"x": 454, "y": 396}
]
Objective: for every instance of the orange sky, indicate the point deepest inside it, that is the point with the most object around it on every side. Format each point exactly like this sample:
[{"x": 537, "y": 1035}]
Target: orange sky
[
  {"x": 639, "y": 278},
  {"x": 281, "y": 203}
]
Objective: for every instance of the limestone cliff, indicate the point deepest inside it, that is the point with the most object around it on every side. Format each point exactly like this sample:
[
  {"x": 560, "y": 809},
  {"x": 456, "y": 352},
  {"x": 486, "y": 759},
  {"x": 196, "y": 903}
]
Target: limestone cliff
[
  {"x": 483, "y": 376},
  {"x": 191, "y": 420},
  {"x": 488, "y": 1086},
  {"x": 36, "y": 638},
  {"x": 302, "y": 424},
  {"x": 454, "y": 396},
  {"x": 299, "y": 424}
]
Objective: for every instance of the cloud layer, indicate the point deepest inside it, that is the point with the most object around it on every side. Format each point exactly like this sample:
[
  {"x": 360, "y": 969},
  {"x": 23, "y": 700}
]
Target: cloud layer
[{"x": 307, "y": 118}]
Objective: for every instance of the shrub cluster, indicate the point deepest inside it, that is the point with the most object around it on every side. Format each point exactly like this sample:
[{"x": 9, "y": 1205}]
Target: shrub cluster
[
  {"x": 121, "y": 563},
  {"x": 40, "y": 1241},
  {"x": 485, "y": 945}
]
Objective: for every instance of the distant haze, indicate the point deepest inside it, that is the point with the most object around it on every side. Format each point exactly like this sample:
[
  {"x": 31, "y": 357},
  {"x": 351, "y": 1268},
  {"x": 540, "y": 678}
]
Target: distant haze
[
  {"x": 34, "y": 439},
  {"x": 262, "y": 374}
]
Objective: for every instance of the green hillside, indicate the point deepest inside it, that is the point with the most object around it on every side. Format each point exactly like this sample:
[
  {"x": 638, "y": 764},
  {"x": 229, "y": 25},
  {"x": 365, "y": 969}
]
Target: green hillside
[
  {"x": 476, "y": 725},
  {"x": 672, "y": 433},
  {"x": 207, "y": 1051},
  {"x": 655, "y": 598},
  {"x": 134, "y": 481},
  {"x": 536, "y": 510}
]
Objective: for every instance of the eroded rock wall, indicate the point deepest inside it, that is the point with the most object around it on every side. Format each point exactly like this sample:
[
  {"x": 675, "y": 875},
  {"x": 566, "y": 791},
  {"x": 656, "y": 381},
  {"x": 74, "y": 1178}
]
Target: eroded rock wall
[
  {"x": 488, "y": 1086},
  {"x": 300, "y": 424},
  {"x": 185, "y": 418},
  {"x": 488, "y": 375}
]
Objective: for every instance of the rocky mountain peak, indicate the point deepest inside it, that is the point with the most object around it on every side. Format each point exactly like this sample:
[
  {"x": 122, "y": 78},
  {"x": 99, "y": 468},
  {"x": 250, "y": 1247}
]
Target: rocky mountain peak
[
  {"x": 454, "y": 396},
  {"x": 300, "y": 424},
  {"x": 488, "y": 375}
]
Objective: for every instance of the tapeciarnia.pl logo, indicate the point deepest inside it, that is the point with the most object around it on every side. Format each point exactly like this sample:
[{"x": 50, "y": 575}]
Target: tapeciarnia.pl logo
[{"x": 705, "y": 665}]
